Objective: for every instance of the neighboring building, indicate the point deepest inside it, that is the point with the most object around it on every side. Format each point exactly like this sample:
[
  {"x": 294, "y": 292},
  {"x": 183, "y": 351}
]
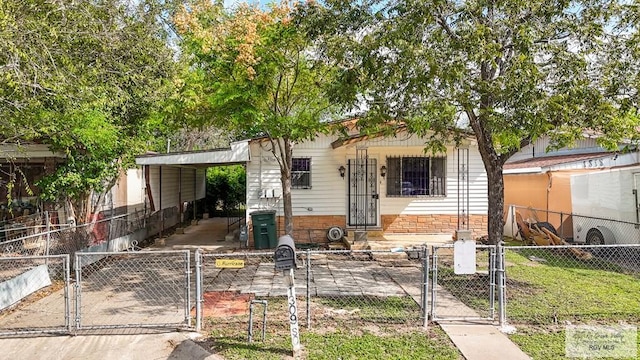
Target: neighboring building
[
  {"x": 542, "y": 180},
  {"x": 27, "y": 163}
]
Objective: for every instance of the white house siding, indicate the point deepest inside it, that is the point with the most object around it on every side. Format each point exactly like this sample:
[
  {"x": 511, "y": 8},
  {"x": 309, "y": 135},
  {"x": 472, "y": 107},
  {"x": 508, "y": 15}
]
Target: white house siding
[
  {"x": 201, "y": 183},
  {"x": 135, "y": 190},
  {"x": 166, "y": 197},
  {"x": 539, "y": 149},
  {"x": 328, "y": 195}
]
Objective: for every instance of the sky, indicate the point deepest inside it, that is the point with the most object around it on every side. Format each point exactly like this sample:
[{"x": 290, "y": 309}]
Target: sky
[{"x": 231, "y": 3}]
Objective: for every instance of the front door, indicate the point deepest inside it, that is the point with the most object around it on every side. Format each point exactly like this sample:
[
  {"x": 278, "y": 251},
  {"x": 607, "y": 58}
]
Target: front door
[{"x": 363, "y": 190}]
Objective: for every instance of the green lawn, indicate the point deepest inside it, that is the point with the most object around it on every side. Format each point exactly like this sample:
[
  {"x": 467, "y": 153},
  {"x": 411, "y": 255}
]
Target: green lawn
[
  {"x": 378, "y": 343},
  {"x": 563, "y": 288},
  {"x": 544, "y": 296},
  {"x": 349, "y": 327}
]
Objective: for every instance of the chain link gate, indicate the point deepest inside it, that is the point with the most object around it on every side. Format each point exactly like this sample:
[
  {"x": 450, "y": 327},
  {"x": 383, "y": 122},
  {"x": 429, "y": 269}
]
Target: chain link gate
[
  {"x": 146, "y": 289},
  {"x": 469, "y": 297},
  {"x": 23, "y": 281},
  {"x": 340, "y": 288}
]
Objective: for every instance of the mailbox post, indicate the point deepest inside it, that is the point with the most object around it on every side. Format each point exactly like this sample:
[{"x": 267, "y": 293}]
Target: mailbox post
[{"x": 285, "y": 261}]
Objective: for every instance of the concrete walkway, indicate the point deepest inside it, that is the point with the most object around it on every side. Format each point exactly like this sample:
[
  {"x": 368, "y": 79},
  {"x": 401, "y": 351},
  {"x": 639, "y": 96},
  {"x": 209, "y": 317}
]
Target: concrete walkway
[
  {"x": 476, "y": 340},
  {"x": 160, "y": 346}
]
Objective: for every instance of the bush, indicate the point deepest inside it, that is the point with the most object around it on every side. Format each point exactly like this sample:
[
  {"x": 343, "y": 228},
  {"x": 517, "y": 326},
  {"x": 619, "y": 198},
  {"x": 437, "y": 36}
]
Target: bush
[{"x": 226, "y": 188}]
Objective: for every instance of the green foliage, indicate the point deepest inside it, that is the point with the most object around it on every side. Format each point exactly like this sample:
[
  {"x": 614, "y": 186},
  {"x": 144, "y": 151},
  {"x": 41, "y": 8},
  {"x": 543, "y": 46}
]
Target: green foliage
[
  {"x": 226, "y": 187},
  {"x": 506, "y": 72},
  {"x": 87, "y": 78},
  {"x": 254, "y": 72}
]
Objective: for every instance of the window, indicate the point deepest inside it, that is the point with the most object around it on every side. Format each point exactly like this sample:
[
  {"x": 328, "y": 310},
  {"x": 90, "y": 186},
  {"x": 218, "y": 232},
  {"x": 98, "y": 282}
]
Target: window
[
  {"x": 413, "y": 176},
  {"x": 301, "y": 173}
]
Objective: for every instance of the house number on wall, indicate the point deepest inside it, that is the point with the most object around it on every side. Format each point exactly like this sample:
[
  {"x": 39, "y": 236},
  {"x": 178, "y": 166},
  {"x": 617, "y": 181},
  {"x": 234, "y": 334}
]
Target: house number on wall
[{"x": 587, "y": 164}]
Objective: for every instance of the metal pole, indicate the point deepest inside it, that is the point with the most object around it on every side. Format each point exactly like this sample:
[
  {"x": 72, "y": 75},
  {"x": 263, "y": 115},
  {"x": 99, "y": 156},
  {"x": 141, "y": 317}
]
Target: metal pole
[
  {"x": 250, "y": 329},
  {"x": 492, "y": 282},
  {"x": 308, "y": 289},
  {"x": 199, "y": 295},
  {"x": 187, "y": 308},
  {"x": 502, "y": 281},
  {"x": 78, "y": 290},
  {"x": 434, "y": 282},
  {"x": 48, "y": 230},
  {"x": 425, "y": 285},
  {"x": 67, "y": 301}
]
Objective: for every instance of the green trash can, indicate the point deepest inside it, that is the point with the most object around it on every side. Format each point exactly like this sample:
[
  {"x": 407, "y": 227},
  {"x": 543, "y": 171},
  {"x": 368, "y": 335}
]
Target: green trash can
[{"x": 264, "y": 229}]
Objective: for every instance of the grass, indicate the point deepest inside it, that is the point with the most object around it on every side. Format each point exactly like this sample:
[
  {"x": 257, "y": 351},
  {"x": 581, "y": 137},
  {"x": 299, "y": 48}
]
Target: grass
[
  {"x": 342, "y": 328},
  {"x": 548, "y": 288},
  {"x": 564, "y": 289},
  {"x": 342, "y": 344},
  {"x": 543, "y": 295}
]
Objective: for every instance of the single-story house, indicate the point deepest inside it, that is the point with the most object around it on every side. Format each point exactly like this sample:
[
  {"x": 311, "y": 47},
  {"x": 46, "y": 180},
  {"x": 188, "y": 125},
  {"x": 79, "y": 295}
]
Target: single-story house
[
  {"x": 375, "y": 183},
  {"x": 372, "y": 183}
]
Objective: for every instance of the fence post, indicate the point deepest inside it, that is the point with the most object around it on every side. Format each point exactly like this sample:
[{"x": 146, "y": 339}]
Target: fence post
[
  {"x": 199, "y": 295},
  {"x": 434, "y": 282},
  {"x": 309, "y": 289},
  {"x": 187, "y": 288},
  {"x": 502, "y": 284},
  {"x": 492, "y": 282},
  {"x": 78, "y": 290},
  {"x": 48, "y": 230},
  {"x": 67, "y": 295},
  {"x": 425, "y": 285}
]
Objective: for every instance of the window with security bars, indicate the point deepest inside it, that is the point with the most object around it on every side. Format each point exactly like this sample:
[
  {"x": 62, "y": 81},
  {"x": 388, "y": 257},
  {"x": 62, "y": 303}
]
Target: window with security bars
[
  {"x": 301, "y": 173},
  {"x": 415, "y": 176}
]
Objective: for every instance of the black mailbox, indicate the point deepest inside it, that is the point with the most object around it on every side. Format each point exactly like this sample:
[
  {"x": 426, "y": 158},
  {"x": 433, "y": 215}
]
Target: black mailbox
[{"x": 285, "y": 255}]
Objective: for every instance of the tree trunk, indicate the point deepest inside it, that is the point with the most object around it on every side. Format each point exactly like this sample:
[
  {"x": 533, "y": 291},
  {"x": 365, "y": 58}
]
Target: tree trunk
[
  {"x": 496, "y": 201},
  {"x": 285, "y": 177}
]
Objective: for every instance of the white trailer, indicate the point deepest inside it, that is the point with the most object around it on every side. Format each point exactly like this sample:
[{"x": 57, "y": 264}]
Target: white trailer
[{"x": 610, "y": 194}]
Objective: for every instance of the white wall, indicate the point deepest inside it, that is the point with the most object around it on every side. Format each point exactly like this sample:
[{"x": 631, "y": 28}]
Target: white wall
[
  {"x": 539, "y": 149},
  {"x": 177, "y": 184},
  {"x": 328, "y": 195}
]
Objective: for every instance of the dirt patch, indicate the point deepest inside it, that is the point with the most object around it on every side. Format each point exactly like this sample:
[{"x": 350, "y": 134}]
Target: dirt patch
[{"x": 225, "y": 303}]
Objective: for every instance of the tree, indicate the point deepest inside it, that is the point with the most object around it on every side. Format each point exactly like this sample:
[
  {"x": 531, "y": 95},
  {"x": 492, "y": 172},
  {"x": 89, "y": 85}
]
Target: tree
[
  {"x": 88, "y": 78},
  {"x": 259, "y": 77},
  {"x": 509, "y": 71}
]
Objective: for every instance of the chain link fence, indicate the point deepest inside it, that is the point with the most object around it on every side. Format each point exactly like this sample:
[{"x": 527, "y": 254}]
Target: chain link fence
[
  {"x": 334, "y": 289},
  {"x": 34, "y": 295},
  {"x": 560, "y": 285},
  {"x": 571, "y": 228},
  {"x": 135, "y": 289},
  {"x": 468, "y": 296},
  {"x": 115, "y": 233}
]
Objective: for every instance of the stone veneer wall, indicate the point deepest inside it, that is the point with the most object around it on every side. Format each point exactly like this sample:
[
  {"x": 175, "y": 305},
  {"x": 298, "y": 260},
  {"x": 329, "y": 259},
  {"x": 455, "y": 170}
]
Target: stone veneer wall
[
  {"x": 433, "y": 223},
  {"x": 312, "y": 228}
]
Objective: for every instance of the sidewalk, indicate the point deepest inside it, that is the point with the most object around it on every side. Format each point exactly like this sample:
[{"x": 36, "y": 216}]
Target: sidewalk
[
  {"x": 170, "y": 346},
  {"x": 475, "y": 340}
]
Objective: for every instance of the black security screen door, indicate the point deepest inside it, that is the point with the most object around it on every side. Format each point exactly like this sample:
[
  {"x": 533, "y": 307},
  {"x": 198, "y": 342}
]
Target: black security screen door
[{"x": 363, "y": 195}]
